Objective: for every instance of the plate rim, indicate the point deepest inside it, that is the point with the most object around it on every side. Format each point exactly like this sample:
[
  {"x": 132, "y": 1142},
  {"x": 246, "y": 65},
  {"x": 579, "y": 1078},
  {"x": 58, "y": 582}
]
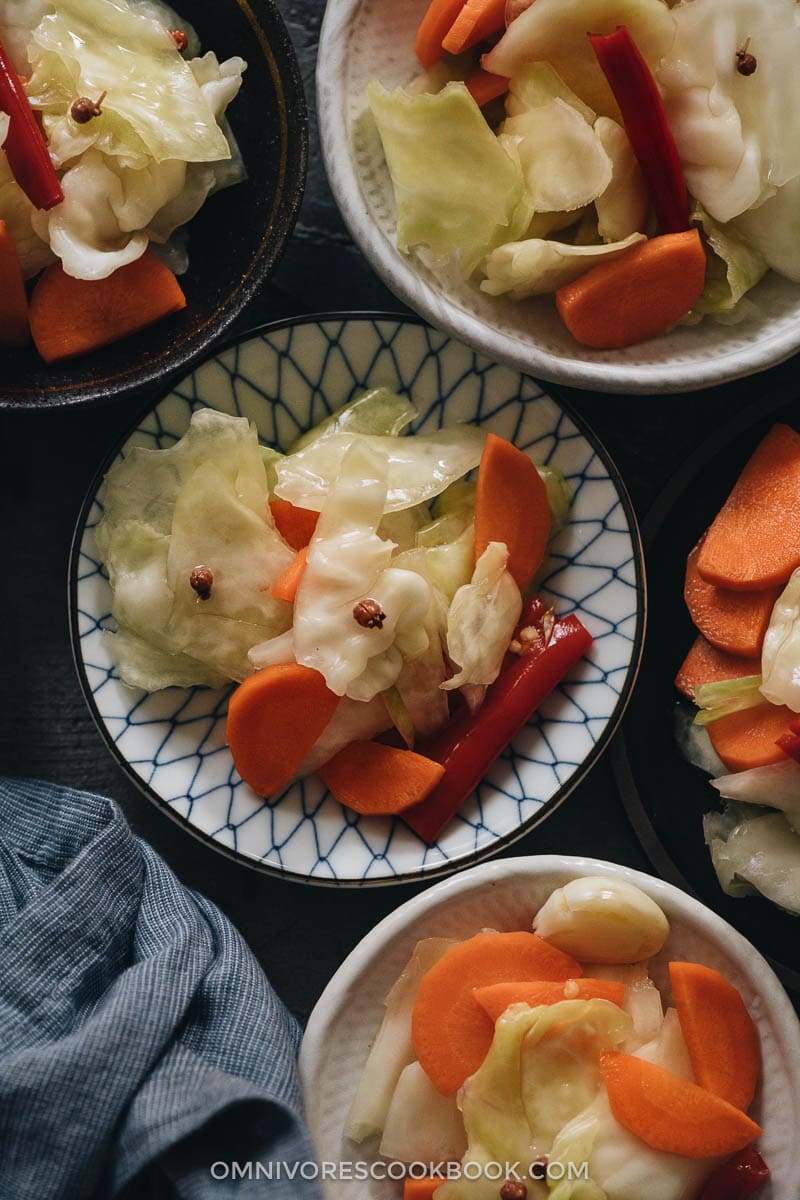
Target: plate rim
[{"x": 452, "y": 866}]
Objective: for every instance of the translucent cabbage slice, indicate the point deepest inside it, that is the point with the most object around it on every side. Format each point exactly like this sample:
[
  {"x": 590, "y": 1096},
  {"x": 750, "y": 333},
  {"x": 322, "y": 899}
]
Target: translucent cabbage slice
[
  {"x": 623, "y": 208},
  {"x": 481, "y": 620},
  {"x": 776, "y": 785},
  {"x": 563, "y": 161},
  {"x": 716, "y": 700},
  {"x": 377, "y": 411},
  {"x": 18, "y": 19},
  {"x": 536, "y": 83},
  {"x": 780, "y": 652},
  {"x": 735, "y": 266},
  {"x": 537, "y": 266},
  {"x": 17, "y": 211},
  {"x": 772, "y": 231},
  {"x": 456, "y": 189},
  {"x": 353, "y": 721},
  {"x": 755, "y": 853},
  {"x": 422, "y": 1125}
]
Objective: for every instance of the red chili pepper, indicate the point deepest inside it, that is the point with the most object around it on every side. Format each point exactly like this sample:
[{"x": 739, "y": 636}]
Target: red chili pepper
[
  {"x": 25, "y": 146},
  {"x": 646, "y": 124},
  {"x": 469, "y": 744},
  {"x": 738, "y": 1178}
]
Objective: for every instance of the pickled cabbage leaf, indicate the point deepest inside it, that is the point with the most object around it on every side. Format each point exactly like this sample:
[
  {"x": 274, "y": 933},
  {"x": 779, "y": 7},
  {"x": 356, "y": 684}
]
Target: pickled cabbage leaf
[
  {"x": 482, "y": 618},
  {"x": 780, "y": 651},
  {"x": 563, "y": 161},
  {"x": 456, "y": 189},
  {"x": 623, "y": 208},
  {"x": 419, "y": 467},
  {"x": 537, "y": 266},
  {"x": 735, "y": 266},
  {"x": 419, "y": 684},
  {"x": 352, "y": 721},
  {"x": 559, "y": 495},
  {"x": 17, "y": 211},
  {"x": 536, "y": 83},
  {"x": 154, "y": 107},
  {"x": 377, "y": 411},
  {"x": 447, "y": 546},
  {"x": 422, "y": 1125},
  {"x": 737, "y": 135},
  {"x": 348, "y": 562},
  {"x": 773, "y": 230},
  {"x": 755, "y": 853},
  {"x": 776, "y": 785},
  {"x": 554, "y": 31},
  {"x": 695, "y": 744},
  {"x": 18, "y": 19}
]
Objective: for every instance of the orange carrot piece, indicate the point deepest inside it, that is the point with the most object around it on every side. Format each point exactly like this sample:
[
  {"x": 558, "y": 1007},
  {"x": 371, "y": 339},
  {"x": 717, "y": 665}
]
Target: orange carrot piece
[
  {"x": 669, "y": 1113},
  {"x": 732, "y": 621},
  {"x": 476, "y": 22},
  {"x": 274, "y": 718},
  {"x": 295, "y": 525},
  {"x": 433, "y": 29},
  {"x": 450, "y": 1030},
  {"x": 420, "y": 1189},
  {"x": 747, "y": 739},
  {"x": 754, "y": 542},
  {"x": 495, "y": 998},
  {"x": 706, "y": 664},
  {"x": 73, "y": 316},
  {"x": 720, "y": 1034},
  {"x": 638, "y": 295},
  {"x": 485, "y": 87},
  {"x": 285, "y": 588},
  {"x": 511, "y": 506},
  {"x": 380, "y": 780},
  {"x": 14, "y": 329}
]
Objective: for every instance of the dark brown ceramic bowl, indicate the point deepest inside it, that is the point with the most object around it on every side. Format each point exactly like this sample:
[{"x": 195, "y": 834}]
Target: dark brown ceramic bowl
[{"x": 235, "y": 241}]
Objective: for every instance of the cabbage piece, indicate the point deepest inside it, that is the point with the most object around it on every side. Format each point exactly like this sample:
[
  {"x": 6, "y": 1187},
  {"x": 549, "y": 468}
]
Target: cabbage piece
[
  {"x": 772, "y": 231},
  {"x": 737, "y": 135},
  {"x": 352, "y": 721},
  {"x": 695, "y": 744},
  {"x": 392, "y": 1050},
  {"x": 154, "y": 108},
  {"x": 419, "y": 467},
  {"x": 419, "y": 684},
  {"x": 142, "y": 665},
  {"x": 450, "y": 69},
  {"x": 669, "y": 1049},
  {"x": 559, "y": 495},
  {"x": 642, "y": 1000},
  {"x": 774, "y": 786},
  {"x": 347, "y": 563},
  {"x": 422, "y": 1125},
  {"x": 448, "y": 546},
  {"x": 537, "y": 266},
  {"x": 404, "y": 527},
  {"x": 735, "y": 266},
  {"x": 563, "y": 161},
  {"x": 18, "y": 19},
  {"x": 536, "y": 83},
  {"x": 716, "y": 700},
  {"x": 456, "y": 188},
  {"x": 542, "y": 1069},
  {"x": 780, "y": 652},
  {"x": 755, "y": 853},
  {"x": 482, "y": 618},
  {"x": 554, "y": 31},
  {"x": 17, "y": 211},
  {"x": 377, "y": 411},
  {"x": 623, "y": 208}
]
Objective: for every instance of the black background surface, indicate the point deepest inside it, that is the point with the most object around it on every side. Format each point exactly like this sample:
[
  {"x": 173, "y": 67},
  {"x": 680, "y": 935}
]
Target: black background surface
[{"x": 48, "y": 459}]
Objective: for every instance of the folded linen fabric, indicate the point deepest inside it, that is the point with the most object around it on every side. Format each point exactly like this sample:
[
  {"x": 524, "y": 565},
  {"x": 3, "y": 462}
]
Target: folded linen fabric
[{"x": 142, "y": 1049}]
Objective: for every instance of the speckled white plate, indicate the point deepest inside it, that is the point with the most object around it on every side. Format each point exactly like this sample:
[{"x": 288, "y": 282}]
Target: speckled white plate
[
  {"x": 505, "y": 896},
  {"x": 172, "y": 743},
  {"x": 374, "y": 39}
]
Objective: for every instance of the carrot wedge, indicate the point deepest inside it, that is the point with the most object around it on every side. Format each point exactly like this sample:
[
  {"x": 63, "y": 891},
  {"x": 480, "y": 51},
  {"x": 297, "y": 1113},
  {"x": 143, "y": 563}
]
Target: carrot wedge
[
  {"x": 748, "y": 738},
  {"x": 706, "y": 664},
  {"x": 485, "y": 87},
  {"x": 669, "y": 1113},
  {"x": 73, "y": 316},
  {"x": 720, "y": 1034},
  {"x": 511, "y": 506},
  {"x": 734, "y": 622},
  {"x": 380, "y": 780},
  {"x": 295, "y": 525},
  {"x": 274, "y": 718},
  {"x": 754, "y": 542},
  {"x": 450, "y": 1030},
  {"x": 478, "y": 20},
  {"x": 420, "y": 1189},
  {"x": 496, "y": 998},
  {"x": 433, "y": 29},
  {"x": 285, "y": 588},
  {"x": 14, "y": 328},
  {"x": 638, "y": 295}
]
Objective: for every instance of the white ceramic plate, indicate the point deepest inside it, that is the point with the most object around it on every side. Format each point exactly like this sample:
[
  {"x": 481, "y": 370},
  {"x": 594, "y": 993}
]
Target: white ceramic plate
[
  {"x": 505, "y": 895},
  {"x": 374, "y": 39},
  {"x": 172, "y": 743}
]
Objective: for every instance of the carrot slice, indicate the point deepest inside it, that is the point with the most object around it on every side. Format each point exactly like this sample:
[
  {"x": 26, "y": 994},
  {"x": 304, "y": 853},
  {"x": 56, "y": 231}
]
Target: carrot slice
[
  {"x": 73, "y": 316},
  {"x": 14, "y": 328},
  {"x": 669, "y": 1113},
  {"x": 285, "y": 588},
  {"x": 295, "y": 525},
  {"x": 511, "y": 506},
  {"x": 495, "y": 998},
  {"x": 638, "y": 295},
  {"x": 372, "y": 778},
  {"x": 747, "y": 739},
  {"x": 732, "y": 621},
  {"x": 720, "y": 1034},
  {"x": 706, "y": 664},
  {"x": 450, "y": 1030},
  {"x": 274, "y": 718},
  {"x": 485, "y": 87},
  {"x": 754, "y": 542},
  {"x": 420, "y": 1189},
  {"x": 433, "y": 29},
  {"x": 477, "y": 21}
]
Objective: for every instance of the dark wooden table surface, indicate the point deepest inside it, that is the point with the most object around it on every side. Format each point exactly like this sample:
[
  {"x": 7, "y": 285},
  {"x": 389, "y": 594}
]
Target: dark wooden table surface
[{"x": 47, "y": 461}]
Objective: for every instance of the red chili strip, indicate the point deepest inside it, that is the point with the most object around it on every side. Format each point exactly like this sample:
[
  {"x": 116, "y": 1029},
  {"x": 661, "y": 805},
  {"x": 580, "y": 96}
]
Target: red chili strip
[
  {"x": 738, "y": 1178},
  {"x": 25, "y": 147}
]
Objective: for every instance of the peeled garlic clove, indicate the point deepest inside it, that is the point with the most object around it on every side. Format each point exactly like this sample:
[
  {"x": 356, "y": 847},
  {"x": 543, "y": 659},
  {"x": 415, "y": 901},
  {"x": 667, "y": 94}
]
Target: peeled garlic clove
[{"x": 601, "y": 920}]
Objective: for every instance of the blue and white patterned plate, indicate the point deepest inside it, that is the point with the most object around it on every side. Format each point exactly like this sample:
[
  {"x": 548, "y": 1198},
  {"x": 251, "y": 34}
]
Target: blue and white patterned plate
[{"x": 172, "y": 743}]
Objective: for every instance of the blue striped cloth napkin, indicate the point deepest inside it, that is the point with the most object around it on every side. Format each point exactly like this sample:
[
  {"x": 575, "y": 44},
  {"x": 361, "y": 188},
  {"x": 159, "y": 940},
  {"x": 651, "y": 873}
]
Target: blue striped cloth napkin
[{"x": 142, "y": 1050}]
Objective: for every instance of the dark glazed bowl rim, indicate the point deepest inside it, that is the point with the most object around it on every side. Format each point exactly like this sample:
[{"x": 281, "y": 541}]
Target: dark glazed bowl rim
[{"x": 280, "y": 60}]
